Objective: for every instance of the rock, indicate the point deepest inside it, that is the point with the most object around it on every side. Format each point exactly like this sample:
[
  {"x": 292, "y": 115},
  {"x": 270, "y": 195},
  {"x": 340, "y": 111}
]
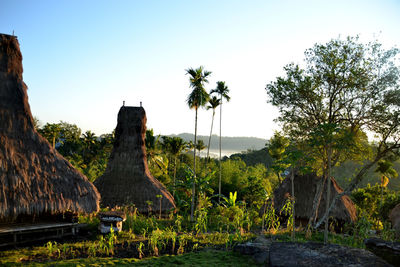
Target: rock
[
  {"x": 389, "y": 251},
  {"x": 318, "y": 254},
  {"x": 258, "y": 249},
  {"x": 394, "y": 217}
]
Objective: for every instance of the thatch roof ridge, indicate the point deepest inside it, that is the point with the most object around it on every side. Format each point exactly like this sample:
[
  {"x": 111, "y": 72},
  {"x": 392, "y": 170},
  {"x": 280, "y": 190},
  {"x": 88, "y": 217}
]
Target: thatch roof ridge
[
  {"x": 305, "y": 188},
  {"x": 34, "y": 178},
  {"x": 127, "y": 179}
]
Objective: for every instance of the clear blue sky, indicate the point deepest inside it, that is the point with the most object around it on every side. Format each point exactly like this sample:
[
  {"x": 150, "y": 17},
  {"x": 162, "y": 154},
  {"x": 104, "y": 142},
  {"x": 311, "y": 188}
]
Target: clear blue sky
[{"x": 83, "y": 58}]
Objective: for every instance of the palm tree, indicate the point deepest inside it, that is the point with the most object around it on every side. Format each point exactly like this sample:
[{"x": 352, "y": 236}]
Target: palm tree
[
  {"x": 197, "y": 98},
  {"x": 89, "y": 140},
  {"x": 223, "y": 91},
  {"x": 166, "y": 148},
  {"x": 51, "y": 131},
  {"x": 200, "y": 146},
  {"x": 153, "y": 155},
  {"x": 213, "y": 104},
  {"x": 175, "y": 147},
  {"x": 385, "y": 168}
]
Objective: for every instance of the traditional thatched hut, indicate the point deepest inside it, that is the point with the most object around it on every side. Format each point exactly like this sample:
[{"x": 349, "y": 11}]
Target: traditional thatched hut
[
  {"x": 34, "y": 178},
  {"x": 305, "y": 187},
  {"x": 127, "y": 179}
]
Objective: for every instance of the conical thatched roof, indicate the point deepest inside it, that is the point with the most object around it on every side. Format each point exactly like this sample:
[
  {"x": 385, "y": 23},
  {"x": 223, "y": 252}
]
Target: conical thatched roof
[
  {"x": 305, "y": 187},
  {"x": 34, "y": 178},
  {"x": 127, "y": 179}
]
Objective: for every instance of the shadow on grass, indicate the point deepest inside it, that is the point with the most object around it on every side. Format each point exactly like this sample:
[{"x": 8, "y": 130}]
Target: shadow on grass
[{"x": 206, "y": 257}]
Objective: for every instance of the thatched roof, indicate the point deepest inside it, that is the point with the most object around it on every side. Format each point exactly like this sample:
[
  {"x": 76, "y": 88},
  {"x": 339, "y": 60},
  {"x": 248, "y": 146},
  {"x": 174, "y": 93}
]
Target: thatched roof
[
  {"x": 127, "y": 179},
  {"x": 305, "y": 187},
  {"x": 34, "y": 178}
]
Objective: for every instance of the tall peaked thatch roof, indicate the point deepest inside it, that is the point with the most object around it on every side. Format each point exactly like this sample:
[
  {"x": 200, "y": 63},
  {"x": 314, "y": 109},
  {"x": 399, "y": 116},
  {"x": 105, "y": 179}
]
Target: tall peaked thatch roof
[
  {"x": 34, "y": 178},
  {"x": 305, "y": 187},
  {"x": 127, "y": 179}
]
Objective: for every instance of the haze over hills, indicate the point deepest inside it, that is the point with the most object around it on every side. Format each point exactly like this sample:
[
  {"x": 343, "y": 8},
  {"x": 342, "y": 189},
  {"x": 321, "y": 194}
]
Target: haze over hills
[{"x": 230, "y": 145}]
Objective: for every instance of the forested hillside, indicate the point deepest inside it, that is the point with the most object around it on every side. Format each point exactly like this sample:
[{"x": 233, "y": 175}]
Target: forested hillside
[{"x": 232, "y": 144}]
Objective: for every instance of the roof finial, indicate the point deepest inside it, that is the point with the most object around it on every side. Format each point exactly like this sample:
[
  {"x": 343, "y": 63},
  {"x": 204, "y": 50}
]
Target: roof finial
[
  {"x": 123, "y": 103},
  {"x": 140, "y": 103}
]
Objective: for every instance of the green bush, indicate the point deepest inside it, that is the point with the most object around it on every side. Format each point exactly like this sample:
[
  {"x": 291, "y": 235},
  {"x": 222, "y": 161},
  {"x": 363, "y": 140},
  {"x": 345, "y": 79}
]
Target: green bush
[{"x": 369, "y": 205}]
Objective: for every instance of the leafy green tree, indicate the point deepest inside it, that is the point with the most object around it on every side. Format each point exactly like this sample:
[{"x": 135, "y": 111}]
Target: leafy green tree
[
  {"x": 69, "y": 134},
  {"x": 174, "y": 146},
  {"x": 276, "y": 148},
  {"x": 197, "y": 98},
  {"x": 286, "y": 155},
  {"x": 258, "y": 185},
  {"x": 213, "y": 103},
  {"x": 345, "y": 88},
  {"x": 165, "y": 145},
  {"x": 106, "y": 145},
  {"x": 155, "y": 158},
  {"x": 222, "y": 90},
  {"x": 367, "y": 200},
  {"x": 233, "y": 177}
]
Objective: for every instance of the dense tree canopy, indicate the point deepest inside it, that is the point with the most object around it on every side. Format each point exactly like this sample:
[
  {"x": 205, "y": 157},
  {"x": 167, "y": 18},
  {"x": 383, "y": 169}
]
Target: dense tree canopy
[{"x": 345, "y": 89}]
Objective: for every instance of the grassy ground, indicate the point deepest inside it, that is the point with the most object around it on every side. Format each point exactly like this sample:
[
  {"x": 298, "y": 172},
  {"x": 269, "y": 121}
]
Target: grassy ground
[
  {"x": 206, "y": 257},
  {"x": 301, "y": 236},
  {"x": 193, "y": 250}
]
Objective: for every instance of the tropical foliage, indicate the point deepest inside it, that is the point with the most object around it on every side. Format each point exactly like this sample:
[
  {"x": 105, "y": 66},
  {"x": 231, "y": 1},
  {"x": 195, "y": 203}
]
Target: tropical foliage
[
  {"x": 345, "y": 92},
  {"x": 345, "y": 89}
]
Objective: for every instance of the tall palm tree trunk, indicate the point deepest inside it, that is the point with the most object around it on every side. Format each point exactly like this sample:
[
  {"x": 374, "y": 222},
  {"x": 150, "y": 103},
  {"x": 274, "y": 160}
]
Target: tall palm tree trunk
[
  {"x": 209, "y": 139},
  {"x": 328, "y": 195},
  {"x": 194, "y": 169},
  {"x": 175, "y": 158},
  {"x": 220, "y": 149},
  {"x": 382, "y": 181},
  {"x": 293, "y": 203}
]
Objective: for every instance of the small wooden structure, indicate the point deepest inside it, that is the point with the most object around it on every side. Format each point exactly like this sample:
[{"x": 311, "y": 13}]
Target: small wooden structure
[
  {"x": 111, "y": 219},
  {"x": 12, "y": 235}
]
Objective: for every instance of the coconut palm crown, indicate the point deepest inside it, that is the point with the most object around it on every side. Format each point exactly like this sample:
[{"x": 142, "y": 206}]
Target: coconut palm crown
[
  {"x": 199, "y": 96},
  {"x": 213, "y": 102},
  {"x": 222, "y": 90}
]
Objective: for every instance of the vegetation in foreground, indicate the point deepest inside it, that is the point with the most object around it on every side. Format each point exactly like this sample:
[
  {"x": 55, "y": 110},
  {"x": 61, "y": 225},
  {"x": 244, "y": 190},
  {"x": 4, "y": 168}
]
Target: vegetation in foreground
[
  {"x": 208, "y": 257},
  {"x": 216, "y": 230}
]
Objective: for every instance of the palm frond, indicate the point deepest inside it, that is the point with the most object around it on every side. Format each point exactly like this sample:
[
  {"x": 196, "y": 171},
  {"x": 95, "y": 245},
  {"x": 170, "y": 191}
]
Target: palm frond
[
  {"x": 198, "y": 97},
  {"x": 222, "y": 90},
  {"x": 213, "y": 102}
]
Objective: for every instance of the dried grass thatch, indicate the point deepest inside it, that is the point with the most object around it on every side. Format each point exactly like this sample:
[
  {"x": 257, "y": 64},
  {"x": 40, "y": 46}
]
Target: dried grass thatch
[
  {"x": 127, "y": 179},
  {"x": 305, "y": 187},
  {"x": 34, "y": 178}
]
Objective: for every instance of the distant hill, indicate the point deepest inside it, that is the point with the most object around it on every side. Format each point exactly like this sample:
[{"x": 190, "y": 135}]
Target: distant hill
[{"x": 230, "y": 145}]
